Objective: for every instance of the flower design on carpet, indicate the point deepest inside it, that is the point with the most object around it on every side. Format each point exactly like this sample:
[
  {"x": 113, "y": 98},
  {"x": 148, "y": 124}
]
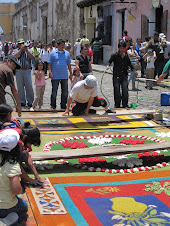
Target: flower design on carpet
[
  {"x": 158, "y": 189},
  {"x": 127, "y": 211}
]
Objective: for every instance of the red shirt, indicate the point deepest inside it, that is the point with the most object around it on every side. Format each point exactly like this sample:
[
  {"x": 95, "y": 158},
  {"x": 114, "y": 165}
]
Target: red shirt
[{"x": 89, "y": 53}]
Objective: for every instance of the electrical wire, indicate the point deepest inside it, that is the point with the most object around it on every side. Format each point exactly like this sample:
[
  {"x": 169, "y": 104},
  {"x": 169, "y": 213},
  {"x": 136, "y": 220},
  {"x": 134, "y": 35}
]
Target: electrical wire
[
  {"x": 101, "y": 83},
  {"x": 13, "y": 101}
]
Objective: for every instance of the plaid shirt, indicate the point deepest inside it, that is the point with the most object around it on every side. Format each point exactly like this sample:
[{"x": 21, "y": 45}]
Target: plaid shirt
[{"x": 24, "y": 59}]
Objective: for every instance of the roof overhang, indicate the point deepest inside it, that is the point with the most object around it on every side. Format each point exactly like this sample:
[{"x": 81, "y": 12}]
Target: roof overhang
[{"x": 87, "y": 3}]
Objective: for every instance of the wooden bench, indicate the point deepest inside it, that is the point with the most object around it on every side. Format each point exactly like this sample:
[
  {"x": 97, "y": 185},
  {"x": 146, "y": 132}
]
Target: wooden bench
[{"x": 99, "y": 151}]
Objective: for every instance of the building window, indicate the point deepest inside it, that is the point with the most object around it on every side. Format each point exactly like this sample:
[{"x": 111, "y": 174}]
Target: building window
[
  {"x": 107, "y": 37},
  {"x": 33, "y": 12}
]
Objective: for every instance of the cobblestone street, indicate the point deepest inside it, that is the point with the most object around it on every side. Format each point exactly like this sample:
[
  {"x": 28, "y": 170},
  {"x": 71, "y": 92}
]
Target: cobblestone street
[{"x": 147, "y": 99}]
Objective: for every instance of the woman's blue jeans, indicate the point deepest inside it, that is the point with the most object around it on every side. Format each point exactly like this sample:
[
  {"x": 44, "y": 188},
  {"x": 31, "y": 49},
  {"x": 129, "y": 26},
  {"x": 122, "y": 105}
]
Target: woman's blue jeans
[{"x": 21, "y": 209}]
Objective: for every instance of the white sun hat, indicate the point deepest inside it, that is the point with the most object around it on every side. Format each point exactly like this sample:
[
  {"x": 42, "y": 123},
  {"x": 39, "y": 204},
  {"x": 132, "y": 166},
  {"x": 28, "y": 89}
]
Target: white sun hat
[{"x": 8, "y": 139}]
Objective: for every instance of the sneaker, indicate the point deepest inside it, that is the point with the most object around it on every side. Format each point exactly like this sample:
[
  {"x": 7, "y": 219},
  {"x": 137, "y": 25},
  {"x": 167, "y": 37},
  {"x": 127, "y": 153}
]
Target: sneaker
[
  {"x": 29, "y": 105},
  {"x": 10, "y": 219},
  {"x": 23, "y": 105},
  {"x": 31, "y": 109},
  {"x": 109, "y": 110}
]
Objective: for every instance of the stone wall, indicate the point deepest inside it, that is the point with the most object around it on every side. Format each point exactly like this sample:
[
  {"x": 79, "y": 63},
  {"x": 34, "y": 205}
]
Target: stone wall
[{"x": 48, "y": 19}]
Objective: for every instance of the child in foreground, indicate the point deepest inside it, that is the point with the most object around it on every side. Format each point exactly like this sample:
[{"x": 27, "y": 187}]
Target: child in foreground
[
  {"x": 13, "y": 210},
  {"x": 28, "y": 135},
  {"x": 40, "y": 85}
]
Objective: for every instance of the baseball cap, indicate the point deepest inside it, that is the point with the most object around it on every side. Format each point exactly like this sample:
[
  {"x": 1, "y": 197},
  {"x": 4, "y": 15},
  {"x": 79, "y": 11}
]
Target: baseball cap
[
  {"x": 14, "y": 59},
  {"x": 91, "y": 81},
  {"x": 162, "y": 35},
  {"x": 150, "y": 50},
  {"x": 20, "y": 40},
  {"x": 8, "y": 139}
]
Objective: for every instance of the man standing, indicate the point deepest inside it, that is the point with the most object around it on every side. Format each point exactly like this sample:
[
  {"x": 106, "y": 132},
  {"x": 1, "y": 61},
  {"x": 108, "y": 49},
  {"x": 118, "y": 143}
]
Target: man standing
[
  {"x": 7, "y": 79},
  {"x": 120, "y": 73},
  {"x": 96, "y": 50},
  {"x": 36, "y": 51},
  {"x": 58, "y": 62},
  {"x": 156, "y": 46},
  {"x": 84, "y": 41},
  {"x": 141, "y": 51},
  {"x": 23, "y": 75}
]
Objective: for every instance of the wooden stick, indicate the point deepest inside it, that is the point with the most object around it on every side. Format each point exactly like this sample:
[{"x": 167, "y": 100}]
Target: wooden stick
[
  {"x": 33, "y": 115},
  {"x": 99, "y": 151}
]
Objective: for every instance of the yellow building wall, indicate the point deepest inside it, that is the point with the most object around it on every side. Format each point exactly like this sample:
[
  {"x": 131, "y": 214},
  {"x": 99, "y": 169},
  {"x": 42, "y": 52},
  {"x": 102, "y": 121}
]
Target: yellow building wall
[{"x": 6, "y": 13}]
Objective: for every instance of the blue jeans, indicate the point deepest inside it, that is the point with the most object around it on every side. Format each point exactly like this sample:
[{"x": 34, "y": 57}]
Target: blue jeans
[
  {"x": 96, "y": 55},
  {"x": 120, "y": 96},
  {"x": 159, "y": 65},
  {"x": 132, "y": 77},
  {"x": 24, "y": 85},
  {"x": 34, "y": 64},
  {"x": 143, "y": 67},
  {"x": 64, "y": 92},
  {"x": 21, "y": 209}
]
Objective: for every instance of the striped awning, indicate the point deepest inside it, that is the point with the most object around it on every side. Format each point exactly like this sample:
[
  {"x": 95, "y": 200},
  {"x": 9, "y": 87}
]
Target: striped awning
[{"x": 87, "y": 3}]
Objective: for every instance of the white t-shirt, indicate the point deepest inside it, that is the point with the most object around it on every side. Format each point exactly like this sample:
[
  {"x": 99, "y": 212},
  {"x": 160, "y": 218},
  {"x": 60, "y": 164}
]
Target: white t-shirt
[
  {"x": 44, "y": 55},
  {"x": 167, "y": 49},
  {"x": 80, "y": 94},
  {"x": 78, "y": 48},
  {"x": 150, "y": 61},
  {"x": 7, "y": 198}
]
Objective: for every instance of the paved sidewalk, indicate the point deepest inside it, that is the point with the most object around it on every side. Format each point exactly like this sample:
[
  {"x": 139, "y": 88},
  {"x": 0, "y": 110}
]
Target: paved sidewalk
[{"x": 102, "y": 69}]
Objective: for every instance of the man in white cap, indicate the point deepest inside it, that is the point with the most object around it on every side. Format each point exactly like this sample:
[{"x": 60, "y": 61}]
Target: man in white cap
[{"x": 84, "y": 94}]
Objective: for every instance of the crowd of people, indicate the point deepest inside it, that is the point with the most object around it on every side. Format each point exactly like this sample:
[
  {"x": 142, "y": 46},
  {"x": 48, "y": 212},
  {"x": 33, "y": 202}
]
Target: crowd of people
[{"x": 53, "y": 62}]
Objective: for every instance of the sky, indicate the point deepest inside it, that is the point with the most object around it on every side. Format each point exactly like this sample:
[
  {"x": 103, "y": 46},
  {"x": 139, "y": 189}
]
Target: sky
[{"x": 8, "y": 1}]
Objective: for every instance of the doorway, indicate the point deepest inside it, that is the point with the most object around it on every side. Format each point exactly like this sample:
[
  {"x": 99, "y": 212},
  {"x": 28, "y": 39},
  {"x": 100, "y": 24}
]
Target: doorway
[{"x": 158, "y": 18}]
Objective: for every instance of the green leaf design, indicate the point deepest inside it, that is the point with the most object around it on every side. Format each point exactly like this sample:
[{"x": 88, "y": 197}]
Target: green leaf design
[
  {"x": 167, "y": 192},
  {"x": 166, "y": 184},
  {"x": 133, "y": 223},
  {"x": 148, "y": 189},
  {"x": 158, "y": 192},
  {"x": 139, "y": 223},
  {"x": 153, "y": 212},
  {"x": 116, "y": 213},
  {"x": 156, "y": 220}
]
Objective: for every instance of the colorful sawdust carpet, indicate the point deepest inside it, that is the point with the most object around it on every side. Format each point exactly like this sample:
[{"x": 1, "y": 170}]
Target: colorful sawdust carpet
[
  {"x": 92, "y": 122},
  {"x": 133, "y": 199},
  {"x": 143, "y": 202},
  {"x": 95, "y": 164}
]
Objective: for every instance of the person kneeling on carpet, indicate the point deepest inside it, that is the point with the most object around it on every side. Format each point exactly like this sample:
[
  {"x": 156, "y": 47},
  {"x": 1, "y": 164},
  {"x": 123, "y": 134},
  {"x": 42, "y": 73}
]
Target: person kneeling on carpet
[
  {"x": 13, "y": 210},
  {"x": 84, "y": 94}
]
